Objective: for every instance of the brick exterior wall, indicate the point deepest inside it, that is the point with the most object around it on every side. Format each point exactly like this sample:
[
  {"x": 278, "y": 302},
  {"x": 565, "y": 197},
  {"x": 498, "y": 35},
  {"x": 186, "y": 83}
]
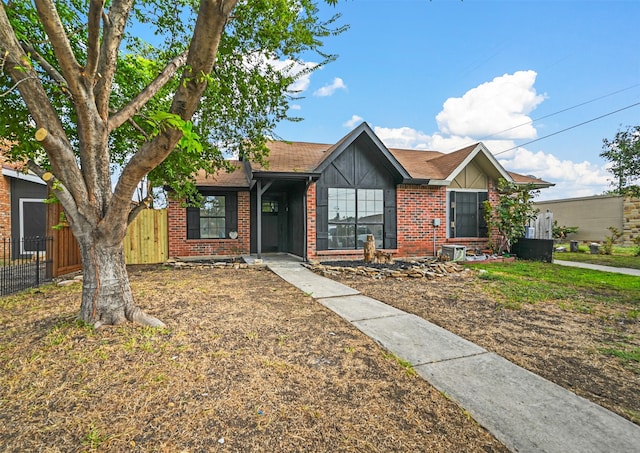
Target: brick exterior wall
[
  {"x": 417, "y": 206},
  {"x": 311, "y": 222},
  {"x": 5, "y": 201},
  {"x": 5, "y": 207},
  {"x": 180, "y": 246}
]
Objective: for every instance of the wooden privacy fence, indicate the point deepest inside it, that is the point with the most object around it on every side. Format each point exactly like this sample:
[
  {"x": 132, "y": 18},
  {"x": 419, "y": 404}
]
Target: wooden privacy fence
[
  {"x": 146, "y": 241},
  {"x": 542, "y": 226}
]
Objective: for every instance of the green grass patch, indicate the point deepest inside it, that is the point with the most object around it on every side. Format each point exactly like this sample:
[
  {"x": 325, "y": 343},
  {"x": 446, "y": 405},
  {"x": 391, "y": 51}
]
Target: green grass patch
[
  {"x": 408, "y": 368},
  {"x": 621, "y": 256},
  {"x": 628, "y": 355},
  {"x": 530, "y": 282}
]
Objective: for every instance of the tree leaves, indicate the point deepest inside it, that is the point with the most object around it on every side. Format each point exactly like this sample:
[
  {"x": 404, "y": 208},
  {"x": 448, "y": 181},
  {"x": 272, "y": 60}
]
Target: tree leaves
[
  {"x": 512, "y": 213},
  {"x": 623, "y": 152}
]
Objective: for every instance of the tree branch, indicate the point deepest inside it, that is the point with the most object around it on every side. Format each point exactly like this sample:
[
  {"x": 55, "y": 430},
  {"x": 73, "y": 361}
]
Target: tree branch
[
  {"x": 49, "y": 69},
  {"x": 57, "y": 146},
  {"x": 142, "y": 206},
  {"x": 70, "y": 67},
  {"x": 61, "y": 191},
  {"x": 212, "y": 18},
  {"x": 112, "y": 35},
  {"x": 93, "y": 39},
  {"x": 128, "y": 111}
]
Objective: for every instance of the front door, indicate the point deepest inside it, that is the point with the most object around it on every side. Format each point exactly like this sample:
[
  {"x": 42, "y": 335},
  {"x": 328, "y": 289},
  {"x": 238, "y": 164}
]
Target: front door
[{"x": 273, "y": 223}]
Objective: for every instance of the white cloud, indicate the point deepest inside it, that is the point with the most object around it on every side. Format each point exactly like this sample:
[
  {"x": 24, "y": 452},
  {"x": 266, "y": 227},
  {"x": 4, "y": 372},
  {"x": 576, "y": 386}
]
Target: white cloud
[
  {"x": 403, "y": 137},
  {"x": 353, "y": 121},
  {"x": 328, "y": 90},
  {"x": 300, "y": 71},
  {"x": 497, "y": 107},
  {"x": 572, "y": 179}
]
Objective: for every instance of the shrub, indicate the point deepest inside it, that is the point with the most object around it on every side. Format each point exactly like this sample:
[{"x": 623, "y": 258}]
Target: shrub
[{"x": 607, "y": 247}]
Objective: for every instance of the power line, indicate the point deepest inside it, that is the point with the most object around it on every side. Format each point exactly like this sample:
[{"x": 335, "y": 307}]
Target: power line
[
  {"x": 560, "y": 111},
  {"x": 569, "y": 128}
]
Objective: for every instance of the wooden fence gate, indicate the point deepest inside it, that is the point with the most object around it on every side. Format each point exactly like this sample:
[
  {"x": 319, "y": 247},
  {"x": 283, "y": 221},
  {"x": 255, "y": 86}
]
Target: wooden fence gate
[
  {"x": 66, "y": 251},
  {"x": 146, "y": 241}
]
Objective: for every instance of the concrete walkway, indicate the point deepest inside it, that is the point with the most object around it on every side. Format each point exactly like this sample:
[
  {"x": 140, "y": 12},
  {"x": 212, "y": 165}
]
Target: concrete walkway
[
  {"x": 598, "y": 267},
  {"x": 524, "y": 411}
]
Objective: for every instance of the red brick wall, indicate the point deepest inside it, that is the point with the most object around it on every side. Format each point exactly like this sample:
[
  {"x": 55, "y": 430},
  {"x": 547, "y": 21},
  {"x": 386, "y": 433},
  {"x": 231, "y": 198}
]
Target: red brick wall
[
  {"x": 5, "y": 207},
  {"x": 5, "y": 201},
  {"x": 311, "y": 222},
  {"x": 180, "y": 246},
  {"x": 417, "y": 206}
]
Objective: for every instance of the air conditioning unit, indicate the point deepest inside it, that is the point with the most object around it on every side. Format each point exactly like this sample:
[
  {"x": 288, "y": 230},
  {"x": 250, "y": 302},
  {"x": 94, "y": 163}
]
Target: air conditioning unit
[{"x": 454, "y": 252}]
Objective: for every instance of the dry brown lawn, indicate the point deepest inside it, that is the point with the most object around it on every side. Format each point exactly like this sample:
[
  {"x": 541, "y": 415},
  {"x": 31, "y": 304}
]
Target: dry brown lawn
[{"x": 247, "y": 363}]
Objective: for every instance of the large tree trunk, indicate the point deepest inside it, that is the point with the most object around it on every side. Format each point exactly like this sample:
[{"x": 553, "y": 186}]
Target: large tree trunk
[{"x": 106, "y": 293}]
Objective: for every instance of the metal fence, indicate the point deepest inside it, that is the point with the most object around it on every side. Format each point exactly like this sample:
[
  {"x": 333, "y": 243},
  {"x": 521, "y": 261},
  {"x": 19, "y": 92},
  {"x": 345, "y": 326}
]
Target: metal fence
[{"x": 24, "y": 263}]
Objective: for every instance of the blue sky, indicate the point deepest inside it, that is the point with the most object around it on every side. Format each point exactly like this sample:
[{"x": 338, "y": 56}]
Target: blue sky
[{"x": 440, "y": 75}]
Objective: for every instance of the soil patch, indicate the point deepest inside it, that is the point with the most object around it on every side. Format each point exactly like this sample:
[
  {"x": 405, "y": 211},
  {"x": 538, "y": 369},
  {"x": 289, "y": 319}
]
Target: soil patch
[{"x": 247, "y": 363}]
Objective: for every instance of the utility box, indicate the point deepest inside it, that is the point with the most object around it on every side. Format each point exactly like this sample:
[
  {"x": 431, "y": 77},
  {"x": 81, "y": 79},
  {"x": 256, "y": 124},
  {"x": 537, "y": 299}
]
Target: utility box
[
  {"x": 534, "y": 249},
  {"x": 454, "y": 252}
]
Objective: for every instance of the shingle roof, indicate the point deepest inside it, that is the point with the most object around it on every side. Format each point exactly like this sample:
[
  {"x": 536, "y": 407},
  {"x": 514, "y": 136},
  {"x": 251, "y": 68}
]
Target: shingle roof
[
  {"x": 305, "y": 157},
  {"x": 237, "y": 178},
  {"x": 294, "y": 156},
  {"x": 527, "y": 179},
  {"x": 431, "y": 164}
]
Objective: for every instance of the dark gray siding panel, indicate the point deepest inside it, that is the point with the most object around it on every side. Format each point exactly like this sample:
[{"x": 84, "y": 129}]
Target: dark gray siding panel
[
  {"x": 322, "y": 218},
  {"x": 390, "y": 216},
  {"x": 361, "y": 166}
]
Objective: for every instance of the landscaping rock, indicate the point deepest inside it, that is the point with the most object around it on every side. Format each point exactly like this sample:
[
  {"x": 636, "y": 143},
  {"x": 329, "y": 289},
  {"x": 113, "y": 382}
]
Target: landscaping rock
[{"x": 415, "y": 269}]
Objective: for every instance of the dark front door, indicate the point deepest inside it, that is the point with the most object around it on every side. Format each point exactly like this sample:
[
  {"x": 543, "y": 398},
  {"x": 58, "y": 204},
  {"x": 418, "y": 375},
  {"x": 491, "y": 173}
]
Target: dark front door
[{"x": 273, "y": 222}]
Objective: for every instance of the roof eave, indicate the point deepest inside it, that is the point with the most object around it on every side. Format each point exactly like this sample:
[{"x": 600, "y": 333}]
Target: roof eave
[
  {"x": 30, "y": 177},
  {"x": 537, "y": 185},
  {"x": 285, "y": 175},
  {"x": 417, "y": 181}
]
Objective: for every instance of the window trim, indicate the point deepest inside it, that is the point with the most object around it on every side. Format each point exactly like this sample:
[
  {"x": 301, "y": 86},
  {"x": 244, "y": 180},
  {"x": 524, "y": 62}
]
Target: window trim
[
  {"x": 207, "y": 198},
  {"x": 230, "y": 216},
  {"x": 356, "y": 224},
  {"x": 480, "y": 225}
]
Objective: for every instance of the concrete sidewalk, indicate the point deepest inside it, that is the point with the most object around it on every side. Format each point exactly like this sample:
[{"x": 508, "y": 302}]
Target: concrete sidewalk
[
  {"x": 599, "y": 267},
  {"x": 524, "y": 411}
]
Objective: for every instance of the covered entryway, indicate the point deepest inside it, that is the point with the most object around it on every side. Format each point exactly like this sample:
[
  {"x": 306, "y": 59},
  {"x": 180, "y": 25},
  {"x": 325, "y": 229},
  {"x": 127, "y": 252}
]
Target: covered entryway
[{"x": 278, "y": 216}]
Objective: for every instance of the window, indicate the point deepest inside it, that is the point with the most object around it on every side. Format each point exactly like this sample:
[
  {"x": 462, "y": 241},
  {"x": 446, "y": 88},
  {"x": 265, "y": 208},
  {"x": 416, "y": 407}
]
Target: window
[
  {"x": 353, "y": 214},
  {"x": 466, "y": 214},
  {"x": 214, "y": 219}
]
